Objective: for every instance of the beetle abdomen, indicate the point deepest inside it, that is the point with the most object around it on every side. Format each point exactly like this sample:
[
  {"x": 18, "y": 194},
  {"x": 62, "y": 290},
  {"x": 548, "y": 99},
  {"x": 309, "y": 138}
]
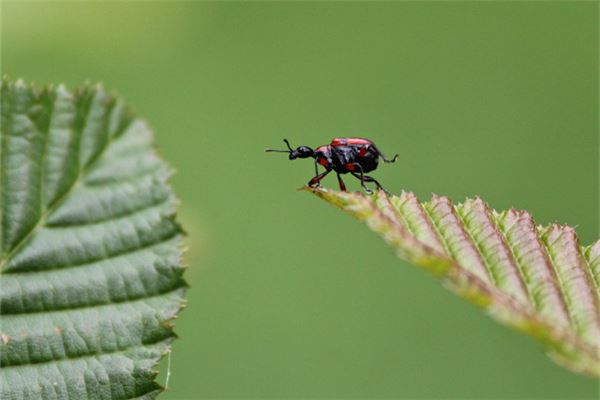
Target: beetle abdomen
[
  {"x": 344, "y": 157},
  {"x": 369, "y": 161}
]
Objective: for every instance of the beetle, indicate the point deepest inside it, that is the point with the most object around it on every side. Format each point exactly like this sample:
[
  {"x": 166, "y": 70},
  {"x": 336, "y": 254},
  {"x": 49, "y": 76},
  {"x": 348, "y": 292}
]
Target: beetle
[{"x": 343, "y": 155}]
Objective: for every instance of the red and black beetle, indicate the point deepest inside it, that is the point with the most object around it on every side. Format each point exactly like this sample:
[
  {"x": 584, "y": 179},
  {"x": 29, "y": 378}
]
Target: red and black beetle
[{"x": 343, "y": 155}]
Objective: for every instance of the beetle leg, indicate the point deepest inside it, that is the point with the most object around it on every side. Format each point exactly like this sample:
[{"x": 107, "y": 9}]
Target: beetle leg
[
  {"x": 365, "y": 178},
  {"x": 314, "y": 182},
  {"x": 388, "y": 161},
  {"x": 384, "y": 158},
  {"x": 341, "y": 182},
  {"x": 361, "y": 177}
]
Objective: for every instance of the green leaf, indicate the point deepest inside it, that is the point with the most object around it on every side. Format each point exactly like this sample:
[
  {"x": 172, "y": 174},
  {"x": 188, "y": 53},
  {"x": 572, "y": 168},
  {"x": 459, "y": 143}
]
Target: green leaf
[
  {"x": 91, "y": 274},
  {"x": 538, "y": 280}
]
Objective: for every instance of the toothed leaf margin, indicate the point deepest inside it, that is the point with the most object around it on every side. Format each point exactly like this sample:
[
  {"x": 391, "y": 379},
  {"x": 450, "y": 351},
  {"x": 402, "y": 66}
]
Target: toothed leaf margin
[
  {"x": 91, "y": 276},
  {"x": 538, "y": 280}
]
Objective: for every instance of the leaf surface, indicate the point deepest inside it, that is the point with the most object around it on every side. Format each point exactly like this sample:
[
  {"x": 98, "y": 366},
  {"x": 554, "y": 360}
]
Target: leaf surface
[
  {"x": 538, "y": 280},
  {"x": 91, "y": 274}
]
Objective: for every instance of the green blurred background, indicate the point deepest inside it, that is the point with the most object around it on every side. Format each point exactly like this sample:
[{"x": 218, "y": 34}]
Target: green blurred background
[{"x": 289, "y": 297}]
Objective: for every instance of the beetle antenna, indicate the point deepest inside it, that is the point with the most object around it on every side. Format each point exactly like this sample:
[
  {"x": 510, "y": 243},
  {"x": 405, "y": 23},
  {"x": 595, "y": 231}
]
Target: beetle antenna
[
  {"x": 288, "y": 145},
  {"x": 282, "y": 151}
]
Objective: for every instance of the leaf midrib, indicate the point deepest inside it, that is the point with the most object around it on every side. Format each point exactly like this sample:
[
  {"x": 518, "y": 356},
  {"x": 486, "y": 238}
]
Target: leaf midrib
[
  {"x": 564, "y": 342},
  {"x": 58, "y": 202}
]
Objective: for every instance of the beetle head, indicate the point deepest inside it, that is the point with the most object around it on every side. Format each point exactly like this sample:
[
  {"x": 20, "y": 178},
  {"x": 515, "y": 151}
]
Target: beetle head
[{"x": 300, "y": 152}]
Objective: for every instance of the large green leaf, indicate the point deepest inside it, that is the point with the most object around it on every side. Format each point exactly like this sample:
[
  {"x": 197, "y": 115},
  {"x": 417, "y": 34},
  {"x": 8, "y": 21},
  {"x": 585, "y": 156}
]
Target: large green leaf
[
  {"x": 539, "y": 280},
  {"x": 90, "y": 250}
]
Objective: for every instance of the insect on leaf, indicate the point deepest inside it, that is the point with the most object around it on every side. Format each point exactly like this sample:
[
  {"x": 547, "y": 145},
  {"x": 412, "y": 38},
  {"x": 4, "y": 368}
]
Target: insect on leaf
[
  {"x": 538, "y": 280},
  {"x": 91, "y": 274}
]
